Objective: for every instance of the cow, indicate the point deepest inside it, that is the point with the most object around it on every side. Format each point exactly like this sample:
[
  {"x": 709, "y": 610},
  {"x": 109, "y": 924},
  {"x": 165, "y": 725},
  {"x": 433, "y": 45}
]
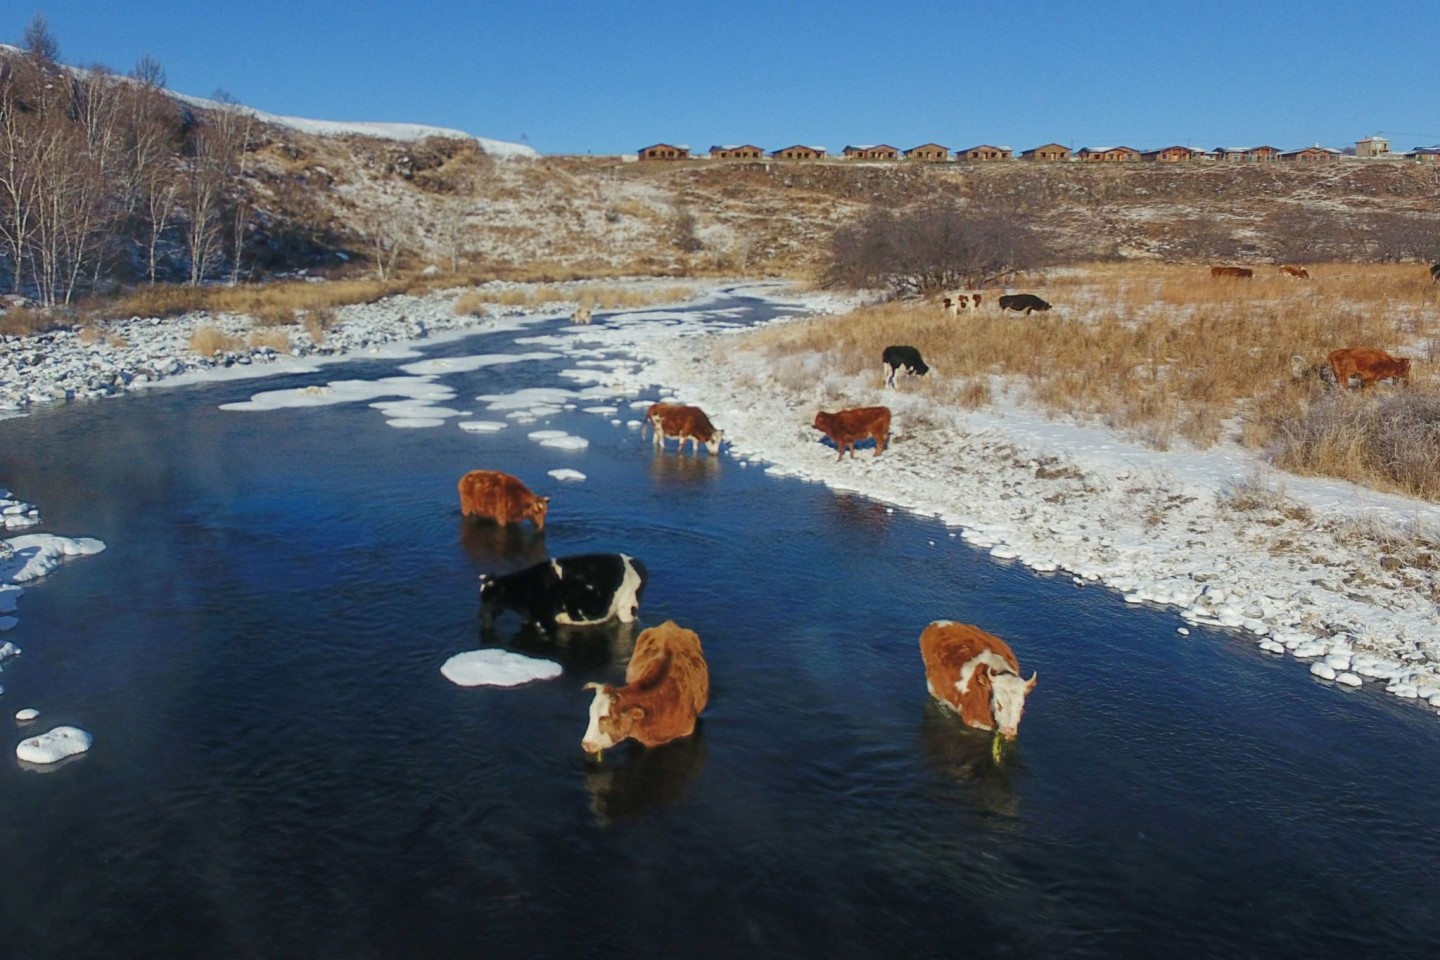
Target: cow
[
  {"x": 1241, "y": 273},
  {"x": 1370, "y": 365},
  {"x": 975, "y": 674},
  {"x": 953, "y": 304},
  {"x": 897, "y": 358},
  {"x": 976, "y": 298},
  {"x": 1022, "y": 301},
  {"x": 683, "y": 423},
  {"x": 577, "y": 591},
  {"x": 847, "y": 427},
  {"x": 667, "y": 685},
  {"x": 581, "y": 314},
  {"x": 1293, "y": 270},
  {"x": 502, "y": 498},
  {"x": 1435, "y": 273}
]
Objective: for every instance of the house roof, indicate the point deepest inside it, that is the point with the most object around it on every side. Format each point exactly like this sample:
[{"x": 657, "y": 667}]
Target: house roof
[{"x": 985, "y": 146}]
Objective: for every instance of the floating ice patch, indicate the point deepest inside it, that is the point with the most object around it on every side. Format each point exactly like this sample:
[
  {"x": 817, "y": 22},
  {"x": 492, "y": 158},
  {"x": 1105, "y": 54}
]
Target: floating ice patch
[
  {"x": 483, "y": 426},
  {"x": 540, "y": 435},
  {"x": 37, "y": 554},
  {"x": 414, "y": 423},
  {"x": 54, "y": 746},
  {"x": 497, "y": 668},
  {"x": 8, "y": 650},
  {"x": 527, "y": 398},
  {"x": 565, "y": 473},
  {"x": 602, "y": 411},
  {"x": 27, "y": 715},
  {"x": 441, "y": 365},
  {"x": 9, "y": 595},
  {"x": 566, "y": 443},
  {"x": 344, "y": 391}
]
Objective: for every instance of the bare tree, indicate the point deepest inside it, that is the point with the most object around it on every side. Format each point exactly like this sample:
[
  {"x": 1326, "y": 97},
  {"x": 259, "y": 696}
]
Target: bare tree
[
  {"x": 386, "y": 240},
  {"x": 217, "y": 157},
  {"x": 39, "y": 42}
]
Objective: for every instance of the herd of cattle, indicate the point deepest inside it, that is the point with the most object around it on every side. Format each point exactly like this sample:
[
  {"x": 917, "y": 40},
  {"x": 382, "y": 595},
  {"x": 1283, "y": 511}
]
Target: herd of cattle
[{"x": 667, "y": 681}]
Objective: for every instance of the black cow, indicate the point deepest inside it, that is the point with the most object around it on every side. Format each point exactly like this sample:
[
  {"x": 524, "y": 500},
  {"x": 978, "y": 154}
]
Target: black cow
[
  {"x": 1022, "y": 301},
  {"x": 1434, "y": 272},
  {"x": 898, "y": 358},
  {"x": 583, "y": 590}
]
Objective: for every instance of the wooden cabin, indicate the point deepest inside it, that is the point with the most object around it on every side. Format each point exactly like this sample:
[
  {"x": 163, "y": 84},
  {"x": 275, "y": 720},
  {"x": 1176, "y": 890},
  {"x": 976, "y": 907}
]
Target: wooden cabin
[
  {"x": 746, "y": 151},
  {"x": 984, "y": 152},
  {"x": 928, "y": 152},
  {"x": 664, "y": 151},
  {"x": 882, "y": 151},
  {"x": 1168, "y": 155},
  {"x": 1051, "y": 151},
  {"x": 799, "y": 152},
  {"x": 1108, "y": 154},
  {"x": 1312, "y": 154}
]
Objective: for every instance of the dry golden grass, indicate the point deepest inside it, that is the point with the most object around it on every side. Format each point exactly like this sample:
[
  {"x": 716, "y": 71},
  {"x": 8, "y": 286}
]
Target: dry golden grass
[
  {"x": 207, "y": 341},
  {"x": 1163, "y": 353},
  {"x": 475, "y": 302},
  {"x": 277, "y": 340},
  {"x": 269, "y": 302}
]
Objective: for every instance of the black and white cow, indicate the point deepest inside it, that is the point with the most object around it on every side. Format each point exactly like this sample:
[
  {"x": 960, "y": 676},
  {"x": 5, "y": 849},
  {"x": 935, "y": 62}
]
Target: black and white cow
[
  {"x": 897, "y": 358},
  {"x": 1022, "y": 301},
  {"x": 583, "y": 590}
]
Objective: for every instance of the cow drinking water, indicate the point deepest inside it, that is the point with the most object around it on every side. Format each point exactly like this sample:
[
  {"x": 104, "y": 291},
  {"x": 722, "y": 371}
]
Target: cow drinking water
[
  {"x": 502, "y": 498},
  {"x": 975, "y": 674},
  {"x": 584, "y": 590},
  {"x": 667, "y": 684}
]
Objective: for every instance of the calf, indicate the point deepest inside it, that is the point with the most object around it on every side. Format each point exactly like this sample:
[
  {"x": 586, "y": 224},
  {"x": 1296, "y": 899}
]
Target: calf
[
  {"x": 847, "y": 427},
  {"x": 1022, "y": 301},
  {"x": 1292, "y": 270},
  {"x": 975, "y": 674},
  {"x": 583, "y": 590},
  {"x": 897, "y": 358},
  {"x": 1370, "y": 365},
  {"x": 1240, "y": 273},
  {"x": 683, "y": 423},
  {"x": 667, "y": 684},
  {"x": 502, "y": 498}
]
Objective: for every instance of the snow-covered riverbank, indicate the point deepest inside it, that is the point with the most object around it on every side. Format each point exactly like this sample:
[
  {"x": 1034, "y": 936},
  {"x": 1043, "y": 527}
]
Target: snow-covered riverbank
[{"x": 1334, "y": 575}]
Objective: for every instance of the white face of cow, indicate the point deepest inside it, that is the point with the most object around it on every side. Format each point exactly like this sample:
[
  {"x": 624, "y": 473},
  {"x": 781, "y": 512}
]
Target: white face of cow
[
  {"x": 713, "y": 444},
  {"x": 596, "y": 739},
  {"x": 1007, "y": 700}
]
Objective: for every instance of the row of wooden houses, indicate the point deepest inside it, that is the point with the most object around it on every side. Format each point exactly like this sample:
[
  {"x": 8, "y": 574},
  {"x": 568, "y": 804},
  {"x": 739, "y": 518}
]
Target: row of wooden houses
[{"x": 1050, "y": 152}]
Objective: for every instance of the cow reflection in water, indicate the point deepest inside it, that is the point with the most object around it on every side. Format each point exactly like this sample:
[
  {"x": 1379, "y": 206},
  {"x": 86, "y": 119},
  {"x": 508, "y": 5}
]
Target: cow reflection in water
[
  {"x": 499, "y": 547},
  {"x": 689, "y": 471},
  {"x": 963, "y": 754},
  {"x": 853, "y": 512},
  {"x": 647, "y": 780}
]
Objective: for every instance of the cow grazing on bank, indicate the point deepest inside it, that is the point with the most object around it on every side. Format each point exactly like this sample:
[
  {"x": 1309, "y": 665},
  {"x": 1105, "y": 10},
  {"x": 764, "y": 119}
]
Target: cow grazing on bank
[
  {"x": 580, "y": 314},
  {"x": 1025, "y": 302},
  {"x": 848, "y": 427},
  {"x": 1240, "y": 273},
  {"x": 580, "y": 591},
  {"x": 975, "y": 674},
  {"x": 667, "y": 684},
  {"x": 502, "y": 498},
  {"x": 897, "y": 358},
  {"x": 675, "y": 420},
  {"x": 1369, "y": 365},
  {"x": 1435, "y": 272},
  {"x": 1294, "y": 270}
]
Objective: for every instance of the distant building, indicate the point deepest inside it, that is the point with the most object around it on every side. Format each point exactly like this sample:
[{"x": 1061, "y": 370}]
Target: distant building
[
  {"x": 664, "y": 151},
  {"x": 798, "y": 152},
  {"x": 1312, "y": 154},
  {"x": 1372, "y": 147},
  {"x": 1424, "y": 154},
  {"x": 1051, "y": 151},
  {"x": 1108, "y": 154},
  {"x": 984, "y": 152},
  {"x": 746, "y": 151},
  {"x": 1168, "y": 155},
  {"x": 881, "y": 151},
  {"x": 929, "y": 152}
]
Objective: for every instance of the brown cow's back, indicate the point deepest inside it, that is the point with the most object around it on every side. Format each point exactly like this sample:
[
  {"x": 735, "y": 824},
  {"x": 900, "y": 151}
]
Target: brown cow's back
[
  {"x": 1239, "y": 272},
  {"x": 1369, "y": 364},
  {"x": 667, "y": 685},
  {"x": 945, "y": 648}
]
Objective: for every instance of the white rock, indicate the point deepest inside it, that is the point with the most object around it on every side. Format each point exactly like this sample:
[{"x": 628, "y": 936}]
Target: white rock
[
  {"x": 1322, "y": 670},
  {"x": 26, "y": 715},
  {"x": 1349, "y": 679},
  {"x": 54, "y": 746}
]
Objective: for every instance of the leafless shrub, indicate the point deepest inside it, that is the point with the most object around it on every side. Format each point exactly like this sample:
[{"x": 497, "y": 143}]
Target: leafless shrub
[
  {"x": 1391, "y": 442},
  {"x": 207, "y": 341},
  {"x": 319, "y": 321}
]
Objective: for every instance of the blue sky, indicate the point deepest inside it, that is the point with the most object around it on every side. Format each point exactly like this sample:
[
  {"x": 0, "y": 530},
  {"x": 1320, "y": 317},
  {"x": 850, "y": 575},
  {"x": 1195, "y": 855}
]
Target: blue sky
[{"x": 610, "y": 76}]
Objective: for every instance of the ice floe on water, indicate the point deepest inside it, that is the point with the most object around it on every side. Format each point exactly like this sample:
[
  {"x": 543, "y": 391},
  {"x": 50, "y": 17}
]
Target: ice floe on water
[
  {"x": 483, "y": 426},
  {"x": 442, "y": 365},
  {"x": 54, "y": 746},
  {"x": 566, "y": 474},
  {"x": 497, "y": 668},
  {"x": 27, "y": 715}
]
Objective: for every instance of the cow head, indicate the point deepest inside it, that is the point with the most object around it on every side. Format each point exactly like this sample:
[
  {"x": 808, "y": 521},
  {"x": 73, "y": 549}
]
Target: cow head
[
  {"x": 611, "y": 719},
  {"x": 1402, "y": 370},
  {"x": 822, "y": 422},
  {"x": 713, "y": 444},
  {"x": 536, "y": 511},
  {"x": 1007, "y": 700}
]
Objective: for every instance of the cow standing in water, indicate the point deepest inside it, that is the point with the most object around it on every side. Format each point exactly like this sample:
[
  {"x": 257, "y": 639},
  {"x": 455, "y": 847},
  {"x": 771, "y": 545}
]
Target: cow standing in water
[
  {"x": 682, "y": 423},
  {"x": 975, "y": 674},
  {"x": 502, "y": 498},
  {"x": 667, "y": 684},
  {"x": 578, "y": 591}
]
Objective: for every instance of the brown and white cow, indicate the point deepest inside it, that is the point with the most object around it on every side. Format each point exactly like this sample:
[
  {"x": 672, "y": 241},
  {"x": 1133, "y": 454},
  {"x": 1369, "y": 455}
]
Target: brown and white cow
[
  {"x": 1369, "y": 365},
  {"x": 1294, "y": 270},
  {"x": 667, "y": 684},
  {"x": 502, "y": 498},
  {"x": 845, "y": 428},
  {"x": 1242, "y": 273},
  {"x": 675, "y": 420},
  {"x": 975, "y": 674}
]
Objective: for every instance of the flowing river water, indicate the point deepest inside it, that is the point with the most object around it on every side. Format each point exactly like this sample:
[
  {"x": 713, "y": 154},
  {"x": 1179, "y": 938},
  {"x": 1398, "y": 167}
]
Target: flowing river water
[{"x": 281, "y": 770}]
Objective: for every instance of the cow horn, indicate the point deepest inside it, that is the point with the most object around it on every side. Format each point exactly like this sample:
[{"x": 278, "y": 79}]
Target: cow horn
[{"x": 592, "y": 685}]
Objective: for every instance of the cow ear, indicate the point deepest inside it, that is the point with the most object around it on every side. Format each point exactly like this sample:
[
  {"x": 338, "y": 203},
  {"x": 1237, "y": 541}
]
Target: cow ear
[
  {"x": 1030, "y": 684},
  {"x": 636, "y": 712}
]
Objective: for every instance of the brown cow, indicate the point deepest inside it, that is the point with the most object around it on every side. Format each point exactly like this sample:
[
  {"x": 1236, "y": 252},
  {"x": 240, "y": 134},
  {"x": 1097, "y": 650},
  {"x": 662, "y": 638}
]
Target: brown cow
[
  {"x": 847, "y": 427},
  {"x": 975, "y": 674},
  {"x": 1370, "y": 365},
  {"x": 1241, "y": 272},
  {"x": 1294, "y": 270},
  {"x": 501, "y": 497},
  {"x": 667, "y": 684},
  {"x": 683, "y": 423}
]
